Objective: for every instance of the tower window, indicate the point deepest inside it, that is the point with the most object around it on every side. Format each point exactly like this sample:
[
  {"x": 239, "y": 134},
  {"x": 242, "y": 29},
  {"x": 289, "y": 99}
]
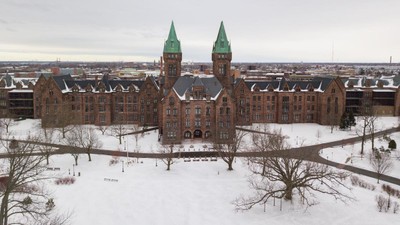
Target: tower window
[
  {"x": 222, "y": 69},
  {"x": 172, "y": 70}
]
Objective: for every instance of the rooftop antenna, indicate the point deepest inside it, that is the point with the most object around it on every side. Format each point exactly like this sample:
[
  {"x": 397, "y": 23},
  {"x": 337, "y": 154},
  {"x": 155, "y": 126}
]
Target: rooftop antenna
[{"x": 390, "y": 60}]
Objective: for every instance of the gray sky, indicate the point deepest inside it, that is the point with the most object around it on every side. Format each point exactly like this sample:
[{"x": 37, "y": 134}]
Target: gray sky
[{"x": 259, "y": 30}]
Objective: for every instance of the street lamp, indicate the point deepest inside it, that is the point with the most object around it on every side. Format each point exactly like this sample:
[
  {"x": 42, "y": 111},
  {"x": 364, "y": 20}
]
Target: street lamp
[
  {"x": 123, "y": 166},
  {"x": 73, "y": 169}
]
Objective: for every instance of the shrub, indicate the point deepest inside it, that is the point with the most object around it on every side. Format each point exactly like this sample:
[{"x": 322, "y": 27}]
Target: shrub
[
  {"x": 391, "y": 191},
  {"x": 392, "y": 144},
  {"x": 113, "y": 161},
  {"x": 381, "y": 202},
  {"x": 65, "y": 181},
  {"x": 356, "y": 181}
]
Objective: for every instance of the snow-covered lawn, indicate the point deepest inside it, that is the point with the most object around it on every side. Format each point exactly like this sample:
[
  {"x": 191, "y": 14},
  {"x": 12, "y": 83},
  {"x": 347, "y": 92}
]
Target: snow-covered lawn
[
  {"x": 350, "y": 154},
  {"x": 191, "y": 193},
  {"x": 199, "y": 192}
]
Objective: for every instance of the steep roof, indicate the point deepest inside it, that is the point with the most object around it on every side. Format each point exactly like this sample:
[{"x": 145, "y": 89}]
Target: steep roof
[
  {"x": 185, "y": 83},
  {"x": 318, "y": 83},
  {"x": 172, "y": 44},
  {"x": 222, "y": 45}
]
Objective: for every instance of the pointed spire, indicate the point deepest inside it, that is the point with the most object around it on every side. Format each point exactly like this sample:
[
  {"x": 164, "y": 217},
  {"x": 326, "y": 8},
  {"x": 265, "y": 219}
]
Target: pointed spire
[
  {"x": 172, "y": 44},
  {"x": 222, "y": 45}
]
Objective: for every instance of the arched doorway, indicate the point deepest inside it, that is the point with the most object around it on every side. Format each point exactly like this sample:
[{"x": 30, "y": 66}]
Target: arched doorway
[
  {"x": 187, "y": 134},
  {"x": 197, "y": 134}
]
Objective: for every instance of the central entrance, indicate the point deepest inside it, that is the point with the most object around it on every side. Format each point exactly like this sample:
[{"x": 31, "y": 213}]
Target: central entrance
[{"x": 197, "y": 134}]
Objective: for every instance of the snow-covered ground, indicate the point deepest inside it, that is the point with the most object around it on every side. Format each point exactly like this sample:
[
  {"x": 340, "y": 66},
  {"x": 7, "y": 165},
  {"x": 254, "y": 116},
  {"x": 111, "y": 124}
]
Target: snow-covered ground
[
  {"x": 350, "y": 154},
  {"x": 198, "y": 192}
]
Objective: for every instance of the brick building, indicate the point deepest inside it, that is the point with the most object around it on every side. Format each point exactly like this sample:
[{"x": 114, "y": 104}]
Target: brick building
[
  {"x": 197, "y": 106},
  {"x": 200, "y": 106},
  {"x": 61, "y": 100}
]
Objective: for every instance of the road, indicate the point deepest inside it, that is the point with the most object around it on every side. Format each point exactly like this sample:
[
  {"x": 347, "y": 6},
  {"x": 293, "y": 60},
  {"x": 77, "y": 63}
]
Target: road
[{"x": 307, "y": 153}]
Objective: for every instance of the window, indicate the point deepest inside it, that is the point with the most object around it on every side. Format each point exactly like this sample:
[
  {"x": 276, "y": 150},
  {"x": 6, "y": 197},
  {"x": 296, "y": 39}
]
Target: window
[
  {"x": 296, "y": 117},
  {"x": 172, "y": 70},
  {"x": 333, "y": 90},
  {"x": 168, "y": 112},
  {"x": 208, "y": 111},
  {"x": 198, "y": 110},
  {"x": 175, "y": 112},
  {"x": 228, "y": 111},
  {"x": 187, "y": 123},
  {"x": 328, "y": 105},
  {"x": 187, "y": 111},
  {"x": 197, "y": 122},
  {"x": 285, "y": 117},
  {"x": 222, "y": 69},
  {"x": 336, "y": 104}
]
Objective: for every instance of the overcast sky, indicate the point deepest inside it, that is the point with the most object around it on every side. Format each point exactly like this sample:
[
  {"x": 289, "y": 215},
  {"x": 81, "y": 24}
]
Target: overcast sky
[{"x": 259, "y": 30}]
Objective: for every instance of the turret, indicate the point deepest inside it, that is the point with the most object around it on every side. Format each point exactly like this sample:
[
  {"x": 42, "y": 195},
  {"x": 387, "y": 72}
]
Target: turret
[{"x": 172, "y": 56}]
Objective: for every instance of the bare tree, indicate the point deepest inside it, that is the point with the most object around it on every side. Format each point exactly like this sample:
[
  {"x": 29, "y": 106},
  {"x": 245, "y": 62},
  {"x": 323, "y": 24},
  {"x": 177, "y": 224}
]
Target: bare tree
[
  {"x": 227, "y": 150},
  {"x": 71, "y": 140},
  {"x": 102, "y": 129},
  {"x": 47, "y": 135},
  {"x": 87, "y": 139},
  {"x": 372, "y": 124},
  {"x": 23, "y": 198},
  {"x": 261, "y": 144},
  {"x": 119, "y": 130},
  {"x": 381, "y": 163},
  {"x": 135, "y": 130},
  {"x": 280, "y": 178},
  {"x": 167, "y": 152},
  {"x": 367, "y": 117},
  {"x": 7, "y": 122}
]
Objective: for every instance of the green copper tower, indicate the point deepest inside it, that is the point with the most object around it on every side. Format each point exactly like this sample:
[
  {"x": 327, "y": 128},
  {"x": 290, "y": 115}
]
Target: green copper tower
[
  {"x": 222, "y": 57},
  {"x": 222, "y": 45},
  {"x": 172, "y": 57},
  {"x": 172, "y": 44}
]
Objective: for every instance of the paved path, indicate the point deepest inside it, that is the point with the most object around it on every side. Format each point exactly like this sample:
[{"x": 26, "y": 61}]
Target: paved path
[{"x": 308, "y": 153}]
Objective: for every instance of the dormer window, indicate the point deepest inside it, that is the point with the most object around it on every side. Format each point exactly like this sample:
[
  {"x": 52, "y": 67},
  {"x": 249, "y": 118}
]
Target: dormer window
[
  {"x": 89, "y": 88},
  {"x": 350, "y": 84},
  {"x": 270, "y": 88},
  {"x": 286, "y": 88},
  {"x": 380, "y": 84},
  {"x": 19, "y": 85},
  {"x": 118, "y": 88},
  {"x": 75, "y": 88}
]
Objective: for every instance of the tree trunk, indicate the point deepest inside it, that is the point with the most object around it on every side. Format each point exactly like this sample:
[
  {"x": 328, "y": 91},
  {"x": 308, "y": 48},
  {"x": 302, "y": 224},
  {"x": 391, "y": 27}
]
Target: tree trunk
[
  {"x": 4, "y": 209},
  {"x": 90, "y": 158},
  {"x": 230, "y": 161},
  {"x": 47, "y": 159},
  {"x": 120, "y": 139},
  {"x": 288, "y": 193},
  {"x": 76, "y": 160},
  {"x": 168, "y": 164}
]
